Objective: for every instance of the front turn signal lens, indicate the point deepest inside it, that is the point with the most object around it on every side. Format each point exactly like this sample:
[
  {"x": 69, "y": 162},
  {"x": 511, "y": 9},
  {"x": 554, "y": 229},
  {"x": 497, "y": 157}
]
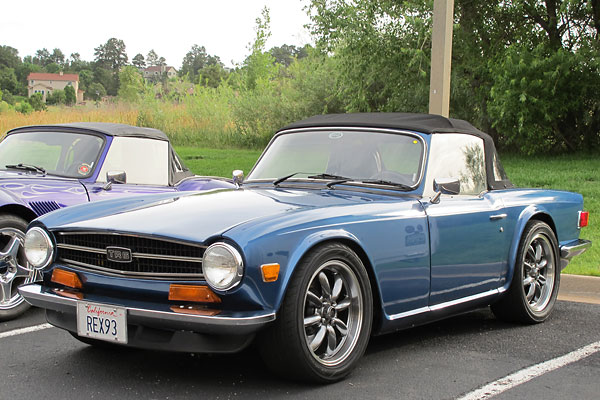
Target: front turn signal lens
[
  {"x": 270, "y": 272},
  {"x": 199, "y": 294},
  {"x": 584, "y": 218},
  {"x": 67, "y": 278}
]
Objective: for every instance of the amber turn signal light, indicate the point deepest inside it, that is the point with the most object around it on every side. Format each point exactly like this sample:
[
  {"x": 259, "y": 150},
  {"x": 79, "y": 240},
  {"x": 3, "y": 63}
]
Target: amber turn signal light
[
  {"x": 200, "y": 294},
  {"x": 270, "y": 272},
  {"x": 584, "y": 218},
  {"x": 66, "y": 278}
]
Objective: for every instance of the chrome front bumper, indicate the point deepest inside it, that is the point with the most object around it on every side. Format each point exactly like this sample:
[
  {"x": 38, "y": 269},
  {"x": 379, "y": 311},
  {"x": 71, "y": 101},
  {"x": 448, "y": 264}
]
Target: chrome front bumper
[
  {"x": 572, "y": 249},
  {"x": 152, "y": 316}
]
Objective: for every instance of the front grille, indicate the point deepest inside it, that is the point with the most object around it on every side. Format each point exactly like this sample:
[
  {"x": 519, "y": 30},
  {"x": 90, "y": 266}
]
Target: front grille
[{"x": 150, "y": 257}]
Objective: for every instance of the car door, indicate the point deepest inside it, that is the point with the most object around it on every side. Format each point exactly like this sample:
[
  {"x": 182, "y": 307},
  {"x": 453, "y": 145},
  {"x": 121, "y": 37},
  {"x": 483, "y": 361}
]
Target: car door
[{"x": 469, "y": 247}]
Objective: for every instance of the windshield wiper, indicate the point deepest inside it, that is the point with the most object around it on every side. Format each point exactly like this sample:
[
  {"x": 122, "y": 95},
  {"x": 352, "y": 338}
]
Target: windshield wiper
[
  {"x": 329, "y": 176},
  {"x": 389, "y": 183},
  {"x": 285, "y": 178},
  {"x": 26, "y": 167}
]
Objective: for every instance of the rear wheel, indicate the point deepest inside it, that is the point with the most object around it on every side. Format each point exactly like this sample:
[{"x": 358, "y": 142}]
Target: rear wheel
[
  {"x": 324, "y": 323},
  {"x": 14, "y": 269},
  {"x": 536, "y": 279}
]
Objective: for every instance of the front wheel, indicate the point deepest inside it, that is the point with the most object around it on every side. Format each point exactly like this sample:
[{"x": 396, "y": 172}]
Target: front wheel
[
  {"x": 324, "y": 323},
  {"x": 536, "y": 279},
  {"x": 14, "y": 269}
]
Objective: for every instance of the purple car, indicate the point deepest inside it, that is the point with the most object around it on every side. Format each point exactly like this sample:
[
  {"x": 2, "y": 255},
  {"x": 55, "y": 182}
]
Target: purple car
[{"x": 48, "y": 167}]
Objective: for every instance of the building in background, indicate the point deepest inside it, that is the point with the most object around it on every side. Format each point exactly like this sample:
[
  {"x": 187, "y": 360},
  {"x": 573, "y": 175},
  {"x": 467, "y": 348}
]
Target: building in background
[
  {"x": 157, "y": 72},
  {"x": 46, "y": 83}
]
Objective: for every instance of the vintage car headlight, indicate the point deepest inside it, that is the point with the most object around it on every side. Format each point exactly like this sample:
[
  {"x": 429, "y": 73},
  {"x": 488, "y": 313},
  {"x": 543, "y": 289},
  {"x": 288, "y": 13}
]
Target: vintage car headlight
[
  {"x": 38, "y": 247},
  {"x": 222, "y": 266}
]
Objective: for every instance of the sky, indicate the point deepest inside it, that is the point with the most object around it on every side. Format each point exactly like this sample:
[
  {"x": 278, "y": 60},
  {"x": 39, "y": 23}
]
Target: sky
[{"x": 224, "y": 27}]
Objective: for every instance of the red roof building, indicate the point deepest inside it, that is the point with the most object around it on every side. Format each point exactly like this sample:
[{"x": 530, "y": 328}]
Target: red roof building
[{"x": 45, "y": 83}]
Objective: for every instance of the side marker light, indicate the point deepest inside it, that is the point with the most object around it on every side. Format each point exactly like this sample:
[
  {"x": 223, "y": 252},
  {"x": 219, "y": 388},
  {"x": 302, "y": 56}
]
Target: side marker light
[{"x": 270, "y": 272}]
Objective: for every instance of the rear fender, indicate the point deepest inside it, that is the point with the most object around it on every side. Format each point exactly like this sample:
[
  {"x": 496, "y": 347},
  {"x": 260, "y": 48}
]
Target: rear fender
[{"x": 526, "y": 215}]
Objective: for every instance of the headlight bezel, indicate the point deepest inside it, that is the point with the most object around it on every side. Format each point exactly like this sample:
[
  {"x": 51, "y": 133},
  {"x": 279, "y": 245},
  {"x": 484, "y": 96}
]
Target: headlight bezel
[
  {"x": 50, "y": 248},
  {"x": 238, "y": 262}
]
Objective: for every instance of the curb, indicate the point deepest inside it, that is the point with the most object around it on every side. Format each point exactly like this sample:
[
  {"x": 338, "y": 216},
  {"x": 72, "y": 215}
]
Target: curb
[{"x": 579, "y": 288}]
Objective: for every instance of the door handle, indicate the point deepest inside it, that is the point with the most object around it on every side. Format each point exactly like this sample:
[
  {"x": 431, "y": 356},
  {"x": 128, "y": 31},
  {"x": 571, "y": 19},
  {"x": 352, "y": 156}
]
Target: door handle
[{"x": 497, "y": 217}]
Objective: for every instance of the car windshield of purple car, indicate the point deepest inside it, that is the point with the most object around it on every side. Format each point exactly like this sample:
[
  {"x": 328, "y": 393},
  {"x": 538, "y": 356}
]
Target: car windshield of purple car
[
  {"x": 343, "y": 156},
  {"x": 53, "y": 153}
]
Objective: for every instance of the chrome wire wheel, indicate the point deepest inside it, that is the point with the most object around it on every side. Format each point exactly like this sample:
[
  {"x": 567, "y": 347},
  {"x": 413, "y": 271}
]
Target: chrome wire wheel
[
  {"x": 539, "y": 267},
  {"x": 333, "y": 312},
  {"x": 14, "y": 269}
]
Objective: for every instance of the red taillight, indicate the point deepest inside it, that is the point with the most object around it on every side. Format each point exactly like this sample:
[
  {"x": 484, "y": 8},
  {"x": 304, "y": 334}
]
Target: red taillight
[{"x": 584, "y": 218}]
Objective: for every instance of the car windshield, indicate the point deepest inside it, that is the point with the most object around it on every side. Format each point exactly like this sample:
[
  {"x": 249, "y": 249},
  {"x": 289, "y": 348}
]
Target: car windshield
[
  {"x": 363, "y": 156},
  {"x": 55, "y": 153}
]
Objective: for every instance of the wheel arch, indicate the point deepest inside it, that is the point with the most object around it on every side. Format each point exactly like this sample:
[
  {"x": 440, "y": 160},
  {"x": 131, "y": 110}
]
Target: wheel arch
[
  {"x": 18, "y": 210},
  {"x": 345, "y": 238},
  {"x": 532, "y": 213}
]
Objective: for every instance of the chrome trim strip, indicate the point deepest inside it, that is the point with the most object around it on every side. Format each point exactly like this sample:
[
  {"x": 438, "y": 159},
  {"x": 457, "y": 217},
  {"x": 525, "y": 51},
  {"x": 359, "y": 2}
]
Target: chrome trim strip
[
  {"x": 34, "y": 295},
  {"x": 441, "y": 306},
  {"x": 130, "y": 274},
  {"x": 167, "y": 258},
  {"x": 81, "y": 248},
  {"x": 115, "y": 233},
  {"x": 575, "y": 248},
  {"x": 498, "y": 216}
]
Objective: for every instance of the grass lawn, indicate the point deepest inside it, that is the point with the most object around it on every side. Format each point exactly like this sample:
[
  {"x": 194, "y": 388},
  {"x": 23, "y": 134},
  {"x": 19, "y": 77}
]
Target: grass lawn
[{"x": 578, "y": 173}]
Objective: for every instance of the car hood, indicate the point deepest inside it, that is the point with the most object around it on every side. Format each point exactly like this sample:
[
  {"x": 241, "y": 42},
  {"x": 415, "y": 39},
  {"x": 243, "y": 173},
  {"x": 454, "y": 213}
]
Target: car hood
[
  {"x": 23, "y": 187},
  {"x": 198, "y": 216}
]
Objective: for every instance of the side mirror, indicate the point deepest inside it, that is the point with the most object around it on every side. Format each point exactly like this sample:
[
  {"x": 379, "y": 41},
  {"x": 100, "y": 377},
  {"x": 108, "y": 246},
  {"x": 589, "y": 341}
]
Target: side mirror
[
  {"x": 116, "y": 177},
  {"x": 445, "y": 186},
  {"x": 238, "y": 177}
]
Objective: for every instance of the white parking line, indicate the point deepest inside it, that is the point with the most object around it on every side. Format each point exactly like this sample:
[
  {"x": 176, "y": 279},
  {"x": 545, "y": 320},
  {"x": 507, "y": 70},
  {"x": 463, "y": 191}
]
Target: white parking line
[
  {"x": 527, "y": 374},
  {"x": 24, "y": 330}
]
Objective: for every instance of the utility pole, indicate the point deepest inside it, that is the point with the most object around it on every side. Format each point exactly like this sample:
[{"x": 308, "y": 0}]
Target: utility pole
[{"x": 441, "y": 57}]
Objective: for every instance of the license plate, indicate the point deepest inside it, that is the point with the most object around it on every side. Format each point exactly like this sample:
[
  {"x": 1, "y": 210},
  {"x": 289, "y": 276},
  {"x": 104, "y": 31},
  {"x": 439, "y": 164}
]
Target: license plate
[{"x": 101, "y": 321}]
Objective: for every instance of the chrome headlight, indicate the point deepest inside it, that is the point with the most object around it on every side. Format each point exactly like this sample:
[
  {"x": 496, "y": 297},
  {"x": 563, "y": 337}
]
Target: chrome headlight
[
  {"x": 222, "y": 266},
  {"x": 38, "y": 247}
]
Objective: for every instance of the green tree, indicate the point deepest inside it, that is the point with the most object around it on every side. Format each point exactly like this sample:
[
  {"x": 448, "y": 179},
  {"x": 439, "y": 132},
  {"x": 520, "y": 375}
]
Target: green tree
[
  {"x": 9, "y": 57},
  {"x": 259, "y": 67},
  {"x": 86, "y": 77},
  {"x": 202, "y": 67},
  {"x": 285, "y": 54},
  {"x": 138, "y": 61},
  {"x": 131, "y": 84},
  {"x": 111, "y": 55},
  {"x": 70, "y": 95},
  {"x": 95, "y": 91},
  {"x": 8, "y": 80},
  {"x": 42, "y": 57},
  {"x": 152, "y": 58},
  {"x": 57, "y": 57}
]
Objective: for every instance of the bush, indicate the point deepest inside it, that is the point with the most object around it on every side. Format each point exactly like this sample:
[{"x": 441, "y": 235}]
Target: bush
[
  {"x": 56, "y": 97},
  {"x": 23, "y": 107}
]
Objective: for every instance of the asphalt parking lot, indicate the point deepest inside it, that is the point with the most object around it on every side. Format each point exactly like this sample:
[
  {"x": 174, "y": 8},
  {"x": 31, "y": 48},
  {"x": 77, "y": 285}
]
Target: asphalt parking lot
[{"x": 446, "y": 360}]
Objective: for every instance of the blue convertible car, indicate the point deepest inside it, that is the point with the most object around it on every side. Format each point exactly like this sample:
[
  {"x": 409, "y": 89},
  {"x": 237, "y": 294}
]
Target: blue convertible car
[{"x": 348, "y": 225}]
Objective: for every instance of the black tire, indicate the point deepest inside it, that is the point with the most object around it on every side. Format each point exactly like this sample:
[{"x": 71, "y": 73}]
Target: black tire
[
  {"x": 14, "y": 304},
  {"x": 346, "y": 305},
  {"x": 536, "y": 279}
]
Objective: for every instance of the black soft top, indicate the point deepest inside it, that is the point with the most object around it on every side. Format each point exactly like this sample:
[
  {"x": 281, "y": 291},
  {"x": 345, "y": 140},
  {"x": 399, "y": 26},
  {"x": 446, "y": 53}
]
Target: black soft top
[
  {"x": 105, "y": 128},
  {"x": 423, "y": 123}
]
